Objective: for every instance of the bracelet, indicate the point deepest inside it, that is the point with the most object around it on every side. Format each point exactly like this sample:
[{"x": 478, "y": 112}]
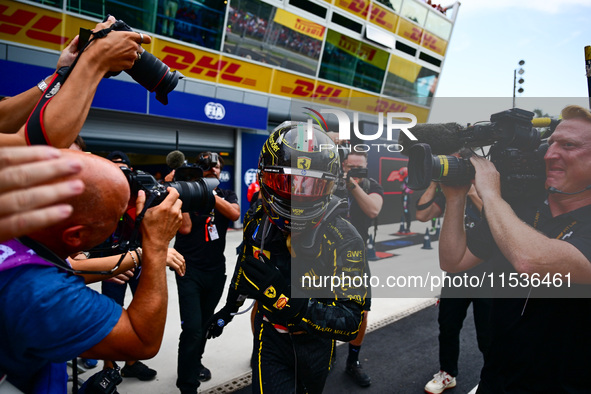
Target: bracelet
[
  {"x": 139, "y": 252},
  {"x": 135, "y": 264}
]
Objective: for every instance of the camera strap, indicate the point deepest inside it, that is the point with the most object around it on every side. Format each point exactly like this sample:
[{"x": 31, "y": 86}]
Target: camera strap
[
  {"x": 35, "y": 133},
  {"x": 34, "y": 128}
]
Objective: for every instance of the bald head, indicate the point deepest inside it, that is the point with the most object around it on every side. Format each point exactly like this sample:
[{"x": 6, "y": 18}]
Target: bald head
[{"x": 96, "y": 211}]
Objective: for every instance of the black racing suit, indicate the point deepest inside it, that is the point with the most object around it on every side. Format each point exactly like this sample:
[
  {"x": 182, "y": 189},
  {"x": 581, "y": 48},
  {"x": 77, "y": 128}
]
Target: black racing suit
[{"x": 297, "y": 358}]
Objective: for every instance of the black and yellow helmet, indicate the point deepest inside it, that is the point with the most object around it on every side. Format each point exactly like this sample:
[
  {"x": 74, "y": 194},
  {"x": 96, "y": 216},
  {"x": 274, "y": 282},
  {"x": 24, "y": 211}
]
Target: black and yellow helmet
[{"x": 298, "y": 169}]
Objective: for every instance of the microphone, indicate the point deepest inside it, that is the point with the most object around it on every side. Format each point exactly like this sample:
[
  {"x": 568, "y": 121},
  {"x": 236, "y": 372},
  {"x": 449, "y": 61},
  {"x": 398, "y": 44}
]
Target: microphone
[
  {"x": 554, "y": 190},
  {"x": 175, "y": 159},
  {"x": 444, "y": 138}
]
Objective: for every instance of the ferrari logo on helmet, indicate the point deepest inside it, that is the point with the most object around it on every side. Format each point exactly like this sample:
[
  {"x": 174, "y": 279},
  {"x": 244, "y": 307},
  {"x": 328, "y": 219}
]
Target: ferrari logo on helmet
[
  {"x": 271, "y": 292},
  {"x": 304, "y": 162}
]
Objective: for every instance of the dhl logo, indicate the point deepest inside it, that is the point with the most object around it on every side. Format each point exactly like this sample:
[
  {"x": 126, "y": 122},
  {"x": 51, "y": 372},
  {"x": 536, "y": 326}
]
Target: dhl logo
[
  {"x": 361, "y": 8},
  {"x": 206, "y": 65},
  {"x": 388, "y": 106},
  {"x": 415, "y": 34},
  {"x": 308, "y": 89},
  {"x": 433, "y": 43},
  {"x": 355, "y": 6},
  {"x": 378, "y": 16},
  {"x": 35, "y": 25}
]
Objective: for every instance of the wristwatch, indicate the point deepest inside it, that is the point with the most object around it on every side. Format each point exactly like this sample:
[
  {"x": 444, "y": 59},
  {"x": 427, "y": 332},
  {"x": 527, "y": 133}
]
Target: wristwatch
[{"x": 42, "y": 85}]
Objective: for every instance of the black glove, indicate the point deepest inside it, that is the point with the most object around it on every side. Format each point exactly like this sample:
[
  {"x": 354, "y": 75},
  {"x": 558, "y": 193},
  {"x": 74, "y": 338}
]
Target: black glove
[
  {"x": 265, "y": 283},
  {"x": 215, "y": 325}
]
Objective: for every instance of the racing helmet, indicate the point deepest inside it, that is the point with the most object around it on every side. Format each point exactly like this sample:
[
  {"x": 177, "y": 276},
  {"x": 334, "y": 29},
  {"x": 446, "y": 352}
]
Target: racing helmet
[{"x": 298, "y": 168}]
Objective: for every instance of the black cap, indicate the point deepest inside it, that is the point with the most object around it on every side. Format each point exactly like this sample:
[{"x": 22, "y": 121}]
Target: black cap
[{"x": 118, "y": 156}]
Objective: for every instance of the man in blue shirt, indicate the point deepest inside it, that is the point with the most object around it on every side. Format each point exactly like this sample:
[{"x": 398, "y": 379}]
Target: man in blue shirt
[{"x": 49, "y": 316}]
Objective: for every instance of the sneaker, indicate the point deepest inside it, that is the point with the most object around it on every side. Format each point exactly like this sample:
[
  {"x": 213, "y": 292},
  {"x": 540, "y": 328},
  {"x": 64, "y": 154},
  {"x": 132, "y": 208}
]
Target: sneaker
[
  {"x": 441, "y": 381},
  {"x": 204, "y": 374},
  {"x": 356, "y": 372},
  {"x": 138, "y": 370}
]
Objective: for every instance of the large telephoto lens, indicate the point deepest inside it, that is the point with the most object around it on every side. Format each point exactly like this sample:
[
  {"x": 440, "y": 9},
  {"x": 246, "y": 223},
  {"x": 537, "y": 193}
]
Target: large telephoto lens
[
  {"x": 196, "y": 196},
  {"x": 424, "y": 167},
  {"x": 155, "y": 76}
]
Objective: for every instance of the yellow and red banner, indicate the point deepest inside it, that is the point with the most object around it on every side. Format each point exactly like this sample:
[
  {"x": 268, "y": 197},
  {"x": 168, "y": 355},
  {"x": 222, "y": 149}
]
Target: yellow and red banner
[
  {"x": 360, "y": 50},
  {"x": 299, "y": 24},
  {"x": 39, "y": 27}
]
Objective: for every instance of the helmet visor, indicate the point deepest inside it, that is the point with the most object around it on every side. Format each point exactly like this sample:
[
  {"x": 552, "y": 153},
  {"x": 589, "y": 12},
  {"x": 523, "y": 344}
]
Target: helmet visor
[{"x": 309, "y": 187}]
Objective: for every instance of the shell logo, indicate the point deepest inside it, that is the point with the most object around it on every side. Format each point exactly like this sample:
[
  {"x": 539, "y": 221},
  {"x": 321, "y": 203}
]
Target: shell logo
[{"x": 281, "y": 302}]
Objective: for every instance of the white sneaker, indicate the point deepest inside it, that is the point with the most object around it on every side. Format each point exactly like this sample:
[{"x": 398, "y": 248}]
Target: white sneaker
[{"x": 441, "y": 381}]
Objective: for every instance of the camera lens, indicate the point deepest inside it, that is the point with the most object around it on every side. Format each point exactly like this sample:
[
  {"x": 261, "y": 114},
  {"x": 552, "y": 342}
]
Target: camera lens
[
  {"x": 155, "y": 76},
  {"x": 424, "y": 167},
  {"x": 196, "y": 196}
]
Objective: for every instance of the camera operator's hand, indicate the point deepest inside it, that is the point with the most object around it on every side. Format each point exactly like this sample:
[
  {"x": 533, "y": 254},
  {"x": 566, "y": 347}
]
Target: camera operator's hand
[
  {"x": 118, "y": 50},
  {"x": 69, "y": 54},
  {"x": 176, "y": 261},
  {"x": 160, "y": 222},
  {"x": 487, "y": 179},
  {"x": 27, "y": 202},
  {"x": 265, "y": 283},
  {"x": 216, "y": 324}
]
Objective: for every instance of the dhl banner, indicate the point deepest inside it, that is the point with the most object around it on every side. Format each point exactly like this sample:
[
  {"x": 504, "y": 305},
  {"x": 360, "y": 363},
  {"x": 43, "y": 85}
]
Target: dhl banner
[
  {"x": 356, "y": 7},
  {"x": 434, "y": 43},
  {"x": 38, "y": 27},
  {"x": 363, "y": 102},
  {"x": 360, "y": 50},
  {"x": 409, "y": 30},
  {"x": 383, "y": 17},
  {"x": 299, "y": 24},
  {"x": 212, "y": 67},
  {"x": 43, "y": 28}
]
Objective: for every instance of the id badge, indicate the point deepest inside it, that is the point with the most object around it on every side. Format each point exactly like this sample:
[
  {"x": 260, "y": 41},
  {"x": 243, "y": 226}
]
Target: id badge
[{"x": 213, "y": 232}]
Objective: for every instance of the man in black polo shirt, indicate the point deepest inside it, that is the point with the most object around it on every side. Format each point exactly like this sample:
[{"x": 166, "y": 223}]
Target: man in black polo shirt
[
  {"x": 202, "y": 240},
  {"x": 538, "y": 344}
]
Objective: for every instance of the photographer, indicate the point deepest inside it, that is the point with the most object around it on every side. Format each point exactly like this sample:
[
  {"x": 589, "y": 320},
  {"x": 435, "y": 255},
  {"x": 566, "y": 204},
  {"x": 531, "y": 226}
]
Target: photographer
[
  {"x": 64, "y": 113},
  {"x": 538, "y": 344},
  {"x": 48, "y": 314},
  {"x": 364, "y": 197},
  {"x": 202, "y": 240}
]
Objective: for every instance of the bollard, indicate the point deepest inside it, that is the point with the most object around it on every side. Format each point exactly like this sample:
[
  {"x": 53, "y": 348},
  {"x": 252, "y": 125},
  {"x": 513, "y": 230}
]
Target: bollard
[
  {"x": 427, "y": 240},
  {"x": 402, "y": 228}
]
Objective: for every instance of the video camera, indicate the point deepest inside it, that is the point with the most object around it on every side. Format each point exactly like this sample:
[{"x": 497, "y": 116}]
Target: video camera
[
  {"x": 148, "y": 71},
  {"x": 516, "y": 148}
]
